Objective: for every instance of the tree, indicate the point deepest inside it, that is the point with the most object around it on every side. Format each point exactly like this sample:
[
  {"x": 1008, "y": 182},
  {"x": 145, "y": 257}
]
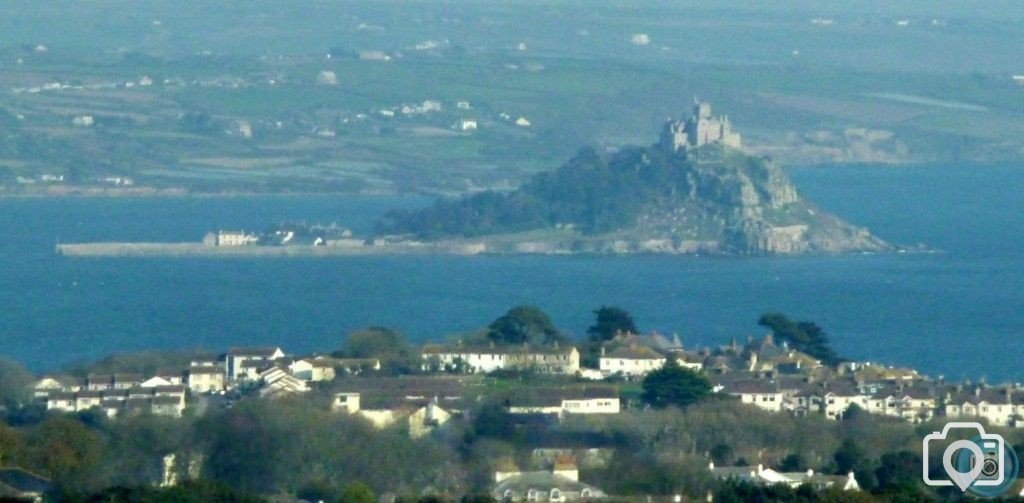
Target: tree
[
  {"x": 793, "y": 462},
  {"x": 12, "y": 446},
  {"x": 674, "y": 385},
  {"x": 610, "y": 321},
  {"x": 374, "y": 342},
  {"x": 804, "y": 336},
  {"x": 848, "y": 456},
  {"x": 524, "y": 325},
  {"x": 65, "y": 450},
  {"x": 357, "y": 492},
  {"x": 15, "y": 384},
  {"x": 898, "y": 468},
  {"x": 722, "y": 454}
]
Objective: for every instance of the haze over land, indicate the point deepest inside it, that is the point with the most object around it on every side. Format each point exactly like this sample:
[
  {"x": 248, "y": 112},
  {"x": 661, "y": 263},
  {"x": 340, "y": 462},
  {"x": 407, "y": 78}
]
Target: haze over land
[{"x": 361, "y": 97}]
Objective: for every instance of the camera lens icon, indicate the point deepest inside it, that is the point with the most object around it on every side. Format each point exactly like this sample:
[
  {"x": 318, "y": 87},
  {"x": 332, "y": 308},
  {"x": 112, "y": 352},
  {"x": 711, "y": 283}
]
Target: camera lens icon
[
  {"x": 981, "y": 465},
  {"x": 990, "y": 469}
]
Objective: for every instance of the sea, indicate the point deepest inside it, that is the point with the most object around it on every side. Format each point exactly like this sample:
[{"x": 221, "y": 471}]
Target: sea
[{"x": 956, "y": 311}]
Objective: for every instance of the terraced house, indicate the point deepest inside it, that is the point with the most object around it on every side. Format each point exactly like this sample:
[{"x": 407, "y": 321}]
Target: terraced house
[{"x": 552, "y": 359}]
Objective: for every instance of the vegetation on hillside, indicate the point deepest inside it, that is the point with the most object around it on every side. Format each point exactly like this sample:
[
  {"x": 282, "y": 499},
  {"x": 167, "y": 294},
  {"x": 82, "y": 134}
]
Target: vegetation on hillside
[{"x": 592, "y": 193}]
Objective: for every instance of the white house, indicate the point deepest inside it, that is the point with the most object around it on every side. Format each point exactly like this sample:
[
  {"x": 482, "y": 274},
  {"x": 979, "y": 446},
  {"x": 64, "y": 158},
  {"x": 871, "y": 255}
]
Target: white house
[
  {"x": 632, "y": 361},
  {"x": 767, "y": 476},
  {"x": 421, "y": 418},
  {"x": 160, "y": 400},
  {"x": 238, "y": 357},
  {"x": 759, "y": 392},
  {"x": 311, "y": 369},
  {"x": 543, "y": 359},
  {"x": 205, "y": 379},
  {"x": 914, "y": 404},
  {"x": 561, "y": 401},
  {"x": 994, "y": 405}
]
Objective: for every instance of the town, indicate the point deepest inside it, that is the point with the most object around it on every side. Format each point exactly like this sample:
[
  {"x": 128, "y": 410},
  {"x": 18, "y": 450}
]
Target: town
[{"x": 543, "y": 384}]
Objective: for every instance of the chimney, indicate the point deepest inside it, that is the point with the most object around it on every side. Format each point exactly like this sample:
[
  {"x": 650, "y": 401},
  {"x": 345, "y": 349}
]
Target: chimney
[
  {"x": 602, "y": 350},
  {"x": 810, "y": 473},
  {"x": 977, "y": 391},
  {"x": 711, "y": 465},
  {"x": 760, "y": 468}
]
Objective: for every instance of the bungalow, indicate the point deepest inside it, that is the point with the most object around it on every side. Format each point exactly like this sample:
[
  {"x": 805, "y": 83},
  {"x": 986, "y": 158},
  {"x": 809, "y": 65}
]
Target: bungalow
[
  {"x": 561, "y": 401},
  {"x": 561, "y": 483},
  {"x": 243, "y": 361}
]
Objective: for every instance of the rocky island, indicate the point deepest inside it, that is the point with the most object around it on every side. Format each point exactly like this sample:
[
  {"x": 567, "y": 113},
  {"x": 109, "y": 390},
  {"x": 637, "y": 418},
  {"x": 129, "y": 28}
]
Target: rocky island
[{"x": 695, "y": 191}]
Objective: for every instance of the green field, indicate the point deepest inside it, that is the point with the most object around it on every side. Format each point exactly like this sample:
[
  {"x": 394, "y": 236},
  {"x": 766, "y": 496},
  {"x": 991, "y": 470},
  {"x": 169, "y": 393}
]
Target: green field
[{"x": 236, "y": 88}]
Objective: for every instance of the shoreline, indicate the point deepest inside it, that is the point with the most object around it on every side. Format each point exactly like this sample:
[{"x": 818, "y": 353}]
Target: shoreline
[{"x": 198, "y": 249}]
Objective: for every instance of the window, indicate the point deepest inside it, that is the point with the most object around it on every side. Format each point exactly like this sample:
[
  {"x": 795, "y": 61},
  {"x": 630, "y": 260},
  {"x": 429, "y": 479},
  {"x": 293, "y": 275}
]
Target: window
[{"x": 555, "y": 495}]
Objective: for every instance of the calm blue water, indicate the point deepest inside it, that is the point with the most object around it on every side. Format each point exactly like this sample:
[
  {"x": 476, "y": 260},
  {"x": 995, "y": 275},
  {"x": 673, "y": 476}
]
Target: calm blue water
[{"x": 957, "y": 313}]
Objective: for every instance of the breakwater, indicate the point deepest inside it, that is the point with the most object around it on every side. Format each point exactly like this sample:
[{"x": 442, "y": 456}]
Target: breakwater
[{"x": 121, "y": 249}]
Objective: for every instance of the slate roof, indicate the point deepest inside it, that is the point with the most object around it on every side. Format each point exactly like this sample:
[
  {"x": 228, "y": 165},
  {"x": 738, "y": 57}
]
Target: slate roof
[
  {"x": 541, "y": 480},
  {"x": 496, "y": 350},
  {"x": 261, "y": 352},
  {"x": 634, "y": 353}
]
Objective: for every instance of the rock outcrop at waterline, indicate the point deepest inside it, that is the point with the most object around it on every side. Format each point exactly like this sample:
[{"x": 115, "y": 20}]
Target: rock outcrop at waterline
[{"x": 710, "y": 199}]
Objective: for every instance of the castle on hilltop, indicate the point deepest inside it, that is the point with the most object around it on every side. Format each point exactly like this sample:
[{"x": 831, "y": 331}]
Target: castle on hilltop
[{"x": 698, "y": 130}]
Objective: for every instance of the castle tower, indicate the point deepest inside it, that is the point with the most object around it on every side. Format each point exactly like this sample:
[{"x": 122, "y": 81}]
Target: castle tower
[{"x": 699, "y": 129}]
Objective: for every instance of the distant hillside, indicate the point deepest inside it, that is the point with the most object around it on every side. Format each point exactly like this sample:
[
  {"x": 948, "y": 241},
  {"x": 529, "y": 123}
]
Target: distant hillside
[{"x": 710, "y": 199}]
